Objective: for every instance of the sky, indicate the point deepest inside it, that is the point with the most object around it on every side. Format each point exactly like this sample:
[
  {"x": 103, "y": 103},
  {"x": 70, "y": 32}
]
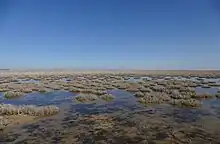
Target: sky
[{"x": 110, "y": 34}]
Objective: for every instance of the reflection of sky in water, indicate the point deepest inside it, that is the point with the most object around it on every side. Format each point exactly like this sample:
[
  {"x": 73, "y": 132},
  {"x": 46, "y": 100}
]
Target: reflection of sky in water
[
  {"x": 50, "y": 98},
  {"x": 132, "y": 79},
  {"x": 195, "y": 79},
  {"x": 212, "y": 90},
  {"x": 28, "y": 81},
  {"x": 212, "y": 106},
  {"x": 123, "y": 100}
]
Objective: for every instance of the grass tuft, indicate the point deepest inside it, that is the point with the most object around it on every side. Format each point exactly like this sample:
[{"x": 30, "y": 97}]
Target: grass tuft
[
  {"x": 107, "y": 97},
  {"x": 203, "y": 96},
  {"x": 13, "y": 94},
  {"x": 8, "y": 109},
  {"x": 193, "y": 103},
  {"x": 86, "y": 97}
]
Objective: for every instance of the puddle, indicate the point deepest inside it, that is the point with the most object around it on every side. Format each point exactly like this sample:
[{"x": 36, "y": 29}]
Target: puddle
[
  {"x": 212, "y": 90},
  {"x": 216, "y": 80},
  {"x": 50, "y": 98},
  {"x": 212, "y": 106}
]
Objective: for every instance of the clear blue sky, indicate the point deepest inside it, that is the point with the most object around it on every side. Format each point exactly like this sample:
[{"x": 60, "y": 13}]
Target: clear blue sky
[{"x": 140, "y": 34}]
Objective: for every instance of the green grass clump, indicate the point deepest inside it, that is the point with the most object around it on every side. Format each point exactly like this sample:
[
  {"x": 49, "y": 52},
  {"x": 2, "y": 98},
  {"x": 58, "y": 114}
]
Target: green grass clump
[
  {"x": 12, "y": 94},
  {"x": 3, "y": 123},
  {"x": 214, "y": 84},
  {"x": 4, "y": 89}
]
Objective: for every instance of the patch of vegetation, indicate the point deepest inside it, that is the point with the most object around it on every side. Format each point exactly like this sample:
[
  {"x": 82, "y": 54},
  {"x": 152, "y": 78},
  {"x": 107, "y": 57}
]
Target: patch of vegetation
[
  {"x": 186, "y": 102},
  {"x": 139, "y": 94},
  {"x": 8, "y": 109},
  {"x": 132, "y": 89},
  {"x": 13, "y": 94},
  {"x": 145, "y": 89},
  {"x": 82, "y": 97},
  {"x": 3, "y": 123},
  {"x": 175, "y": 94},
  {"x": 107, "y": 97},
  {"x": 203, "y": 96},
  {"x": 159, "y": 88}
]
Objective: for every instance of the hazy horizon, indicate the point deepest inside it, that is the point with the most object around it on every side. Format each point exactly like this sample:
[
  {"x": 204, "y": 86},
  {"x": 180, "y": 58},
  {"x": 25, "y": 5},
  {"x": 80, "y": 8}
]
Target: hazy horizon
[{"x": 116, "y": 34}]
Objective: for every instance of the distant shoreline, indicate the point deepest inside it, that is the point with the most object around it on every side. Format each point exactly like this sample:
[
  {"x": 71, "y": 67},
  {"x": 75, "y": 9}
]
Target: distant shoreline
[{"x": 104, "y": 69}]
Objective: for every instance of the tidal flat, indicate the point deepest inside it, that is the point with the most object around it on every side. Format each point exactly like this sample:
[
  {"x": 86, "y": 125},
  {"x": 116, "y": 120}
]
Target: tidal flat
[{"x": 113, "y": 107}]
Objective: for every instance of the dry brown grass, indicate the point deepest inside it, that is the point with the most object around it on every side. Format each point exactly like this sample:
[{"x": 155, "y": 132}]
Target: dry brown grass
[
  {"x": 8, "y": 109},
  {"x": 203, "y": 96},
  {"x": 186, "y": 102},
  {"x": 154, "y": 98},
  {"x": 139, "y": 94},
  {"x": 107, "y": 97},
  {"x": 82, "y": 97}
]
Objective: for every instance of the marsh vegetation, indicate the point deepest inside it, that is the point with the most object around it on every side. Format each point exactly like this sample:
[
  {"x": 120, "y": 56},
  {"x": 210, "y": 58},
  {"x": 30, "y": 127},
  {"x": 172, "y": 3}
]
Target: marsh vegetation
[{"x": 122, "y": 106}]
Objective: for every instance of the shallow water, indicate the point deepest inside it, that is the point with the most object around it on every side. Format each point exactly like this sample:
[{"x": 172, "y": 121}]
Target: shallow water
[
  {"x": 194, "y": 79},
  {"x": 216, "y": 80},
  {"x": 128, "y": 121},
  {"x": 28, "y": 81},
  {"x": 212, "y": 90},
  {"x": 50, "y": 98}
]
